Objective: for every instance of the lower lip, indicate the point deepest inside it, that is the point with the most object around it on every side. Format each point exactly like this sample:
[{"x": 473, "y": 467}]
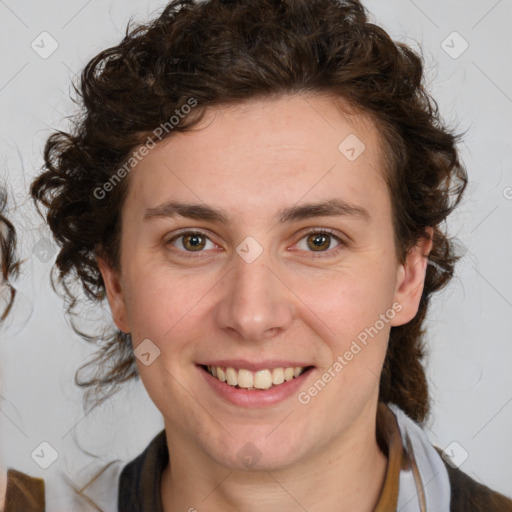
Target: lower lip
[{"x": 258, "y": 397}]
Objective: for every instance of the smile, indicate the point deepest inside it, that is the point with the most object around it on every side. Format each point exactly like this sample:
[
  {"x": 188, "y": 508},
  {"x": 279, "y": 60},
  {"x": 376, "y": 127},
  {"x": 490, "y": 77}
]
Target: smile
[{"x": 253, "y": 380}]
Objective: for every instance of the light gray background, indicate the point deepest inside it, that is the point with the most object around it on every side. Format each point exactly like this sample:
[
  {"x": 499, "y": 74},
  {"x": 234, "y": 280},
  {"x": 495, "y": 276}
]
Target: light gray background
[{"x": 469, "y": 325}]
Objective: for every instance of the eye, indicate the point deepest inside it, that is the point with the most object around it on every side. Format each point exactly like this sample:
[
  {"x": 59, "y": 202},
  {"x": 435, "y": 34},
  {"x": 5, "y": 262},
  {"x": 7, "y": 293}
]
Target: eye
[
  {"x": 316, "y": 240},
  {"x": 320, "y": 240},
  {"x": 192, "y": 241}
]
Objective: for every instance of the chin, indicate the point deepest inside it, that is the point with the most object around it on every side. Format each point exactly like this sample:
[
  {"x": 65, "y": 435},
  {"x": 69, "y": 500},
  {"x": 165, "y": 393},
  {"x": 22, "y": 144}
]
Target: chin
[{"x": 259, "y": 449}]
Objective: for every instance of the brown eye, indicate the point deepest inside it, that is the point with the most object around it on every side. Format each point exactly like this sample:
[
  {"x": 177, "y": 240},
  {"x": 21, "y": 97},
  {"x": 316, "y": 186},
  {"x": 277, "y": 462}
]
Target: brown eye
[
  {"x": 194, "y": 242},
  {"x": 191, "y": 242},
  {"x": 321, "y": 241}
]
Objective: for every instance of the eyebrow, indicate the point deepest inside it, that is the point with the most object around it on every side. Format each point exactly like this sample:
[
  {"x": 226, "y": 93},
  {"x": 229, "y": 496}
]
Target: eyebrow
[{"x": 330, "y": 208}]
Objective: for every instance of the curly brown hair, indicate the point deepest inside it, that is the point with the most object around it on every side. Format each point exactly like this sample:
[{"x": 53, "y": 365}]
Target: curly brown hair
[
  {"x": 226, "y": 51},
  {"x": 10, "y": 264}
]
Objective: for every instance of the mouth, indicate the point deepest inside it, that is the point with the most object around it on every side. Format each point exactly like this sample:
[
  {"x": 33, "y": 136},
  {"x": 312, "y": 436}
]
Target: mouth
[{"x": 259, "y": 380}]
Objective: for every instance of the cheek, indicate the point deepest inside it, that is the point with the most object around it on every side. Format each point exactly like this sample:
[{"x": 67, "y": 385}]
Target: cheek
[
  {"x": 350, "y": 299},
  {"x": 160, "y": 302},
  {"x": 358, "y": 311},
  {"x": 353, "y": 311}
]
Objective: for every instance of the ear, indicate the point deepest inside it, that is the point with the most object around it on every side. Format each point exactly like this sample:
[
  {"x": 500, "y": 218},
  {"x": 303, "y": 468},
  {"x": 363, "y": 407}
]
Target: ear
[
  {"x": 115, "y": 294},
  {"x": 410, "y": 280}
]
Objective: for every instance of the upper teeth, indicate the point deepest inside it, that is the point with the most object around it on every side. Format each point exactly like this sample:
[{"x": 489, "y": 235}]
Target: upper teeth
[{"x": 261, "y": 379}]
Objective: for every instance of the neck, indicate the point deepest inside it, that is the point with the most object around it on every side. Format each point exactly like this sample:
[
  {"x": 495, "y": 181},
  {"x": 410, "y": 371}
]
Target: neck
[{"x": 346, "y": 475}]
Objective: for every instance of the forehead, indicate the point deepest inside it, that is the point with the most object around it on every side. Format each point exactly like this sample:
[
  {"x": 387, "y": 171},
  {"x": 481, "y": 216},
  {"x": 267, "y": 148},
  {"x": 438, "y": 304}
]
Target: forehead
[{"x": 266, "y": 152}]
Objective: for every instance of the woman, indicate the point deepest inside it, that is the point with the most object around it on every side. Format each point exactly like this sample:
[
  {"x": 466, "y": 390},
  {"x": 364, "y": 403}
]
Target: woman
[
  {"x": 10, "y": 265},
  {"x": 18, "y": 492},
  {"x": 256, "y": 134}
]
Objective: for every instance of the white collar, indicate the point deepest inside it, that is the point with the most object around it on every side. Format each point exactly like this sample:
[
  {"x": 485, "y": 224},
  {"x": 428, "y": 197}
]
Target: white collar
[{"x": 434, "y": 483}]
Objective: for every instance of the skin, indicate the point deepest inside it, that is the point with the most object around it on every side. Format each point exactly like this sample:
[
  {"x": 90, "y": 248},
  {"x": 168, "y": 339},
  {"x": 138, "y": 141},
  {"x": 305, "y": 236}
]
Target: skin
[
  {"x": 294, "y": 302},
  {"x": 3, "y": 488}
]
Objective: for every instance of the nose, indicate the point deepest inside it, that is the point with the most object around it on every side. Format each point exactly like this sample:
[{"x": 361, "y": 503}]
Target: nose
[{"x": 256, "y": 304}]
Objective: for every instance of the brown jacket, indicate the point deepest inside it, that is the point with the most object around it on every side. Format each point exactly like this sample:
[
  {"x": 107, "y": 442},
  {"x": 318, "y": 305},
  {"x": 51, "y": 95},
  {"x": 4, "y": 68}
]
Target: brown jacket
[
  {"x": 470, "y": 496},
  {"x": 24, "y": 493}
]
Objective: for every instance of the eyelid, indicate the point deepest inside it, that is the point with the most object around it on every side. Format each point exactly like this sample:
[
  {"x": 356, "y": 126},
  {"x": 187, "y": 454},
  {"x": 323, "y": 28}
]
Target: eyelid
[
  {"x": 189, "y": 231},
  {"x": 326, "y": 231},
  {"x": 303, "y": 234}
]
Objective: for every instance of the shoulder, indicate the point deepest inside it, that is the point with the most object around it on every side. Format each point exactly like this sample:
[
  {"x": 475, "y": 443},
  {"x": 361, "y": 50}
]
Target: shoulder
[
  {"x": 24, "y": 493},
  {"x": 139, "y": 483},
  {"x": 469, "y": 495}
]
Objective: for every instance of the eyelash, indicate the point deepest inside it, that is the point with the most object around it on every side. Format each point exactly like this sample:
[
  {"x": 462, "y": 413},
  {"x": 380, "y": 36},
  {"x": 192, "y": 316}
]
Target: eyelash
[{"x": 313, "y": 231}]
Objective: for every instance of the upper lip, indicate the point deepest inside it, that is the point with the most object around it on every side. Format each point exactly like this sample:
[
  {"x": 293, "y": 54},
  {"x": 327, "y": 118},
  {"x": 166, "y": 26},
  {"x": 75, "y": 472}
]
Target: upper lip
[{"x": 253, "y": 365}]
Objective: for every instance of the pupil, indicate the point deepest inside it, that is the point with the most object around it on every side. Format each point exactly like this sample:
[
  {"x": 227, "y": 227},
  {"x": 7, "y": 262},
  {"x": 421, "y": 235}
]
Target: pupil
[
  {"x": 194, "y": 241},
  {"x": 320, "y": 240}
]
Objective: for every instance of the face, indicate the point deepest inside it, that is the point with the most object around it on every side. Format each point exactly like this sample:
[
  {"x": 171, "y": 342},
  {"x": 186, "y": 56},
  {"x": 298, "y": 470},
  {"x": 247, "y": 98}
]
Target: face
[{"x": 286, "y": 260}]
